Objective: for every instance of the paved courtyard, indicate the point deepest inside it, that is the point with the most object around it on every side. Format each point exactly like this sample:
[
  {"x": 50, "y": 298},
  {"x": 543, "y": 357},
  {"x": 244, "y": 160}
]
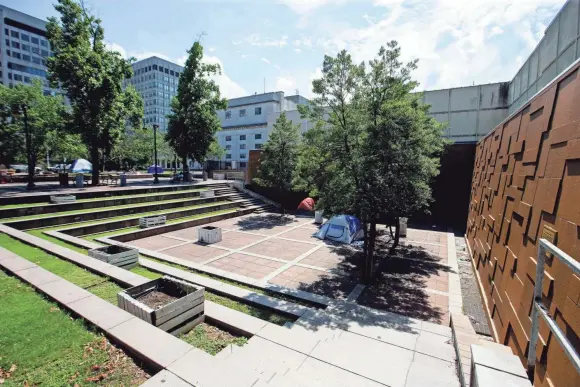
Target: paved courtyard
[{"x": 279, "y": 250}]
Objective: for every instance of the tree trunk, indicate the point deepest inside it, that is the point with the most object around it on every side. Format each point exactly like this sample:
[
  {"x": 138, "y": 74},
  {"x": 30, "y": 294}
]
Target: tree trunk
[
  {"x": 95, "y": 162},
  {"x": 368, "y": 267},
  {"x": 397, "y": 235},
  {"x": 30, "y": 159},
  {"x": 185, "y": 169}
]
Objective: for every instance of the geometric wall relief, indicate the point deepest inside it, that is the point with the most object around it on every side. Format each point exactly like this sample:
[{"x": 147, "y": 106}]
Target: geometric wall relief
[{"x": 526, "y": 186}]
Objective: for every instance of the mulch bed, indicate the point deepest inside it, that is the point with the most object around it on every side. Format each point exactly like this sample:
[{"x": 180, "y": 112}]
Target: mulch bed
[{"x": 156, "y": 299}]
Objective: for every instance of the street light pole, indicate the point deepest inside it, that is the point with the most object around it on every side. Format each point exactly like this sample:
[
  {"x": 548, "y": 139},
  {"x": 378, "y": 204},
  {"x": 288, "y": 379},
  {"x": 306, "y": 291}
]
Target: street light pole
[{"x": 155, "y": 126}]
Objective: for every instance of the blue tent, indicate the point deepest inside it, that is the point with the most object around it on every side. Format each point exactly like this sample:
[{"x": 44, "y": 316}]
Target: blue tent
[
  {"x": 152, "y": 168},
  {"x": 81, "y": 166},
  {"x": 341, "y": 228}
]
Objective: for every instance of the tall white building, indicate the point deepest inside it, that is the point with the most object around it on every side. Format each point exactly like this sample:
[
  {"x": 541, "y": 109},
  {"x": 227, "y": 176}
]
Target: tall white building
[
  {"x": 156, "y": 80},
  {"x": 248, "y": 121},
  {"x": 23, "y": 48}
]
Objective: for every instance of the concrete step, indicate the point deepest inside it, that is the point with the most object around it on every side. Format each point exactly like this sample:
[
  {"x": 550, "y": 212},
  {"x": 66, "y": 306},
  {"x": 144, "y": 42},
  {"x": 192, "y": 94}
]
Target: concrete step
[{"x": 264, "y": 358}]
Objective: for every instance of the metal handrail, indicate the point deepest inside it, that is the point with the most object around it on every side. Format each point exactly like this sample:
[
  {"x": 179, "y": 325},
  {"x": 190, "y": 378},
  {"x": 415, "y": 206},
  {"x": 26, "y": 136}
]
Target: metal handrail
[{"x": 539, "y": 309}]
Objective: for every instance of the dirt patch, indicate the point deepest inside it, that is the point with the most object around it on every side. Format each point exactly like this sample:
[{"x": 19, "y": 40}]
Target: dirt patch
[
  {"x": 211, "y": 339},
  {"x": 156, "y": 299}
]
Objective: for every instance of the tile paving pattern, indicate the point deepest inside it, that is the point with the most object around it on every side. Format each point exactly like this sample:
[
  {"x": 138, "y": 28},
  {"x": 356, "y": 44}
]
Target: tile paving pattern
[{"x": 283, "y": 251}]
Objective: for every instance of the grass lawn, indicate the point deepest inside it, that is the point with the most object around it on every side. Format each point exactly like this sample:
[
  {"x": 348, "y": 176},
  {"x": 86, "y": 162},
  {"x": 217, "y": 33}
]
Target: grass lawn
[
  {"x": 134, "y": 206},
  {"x": 41, "y": 345},
  {"x": 211, "y": 339},
  {"x": 8, "y": 206},
  {"x": 98, "y": 285}
]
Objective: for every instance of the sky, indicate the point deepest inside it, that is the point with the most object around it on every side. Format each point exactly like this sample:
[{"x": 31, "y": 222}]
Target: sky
[{"x": 279, "y": 45}]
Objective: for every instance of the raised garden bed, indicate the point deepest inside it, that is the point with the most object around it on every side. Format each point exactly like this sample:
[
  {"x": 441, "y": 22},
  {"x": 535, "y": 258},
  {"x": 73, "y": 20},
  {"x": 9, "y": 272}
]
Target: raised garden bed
[
  {"x": 209, "y": 234},
  {"x": 207, "y": 194},
  {"x": 121, "y": 256},
  {"x": 61, "y": 199},
  {"x": 151, "y": 221},
  {"x": 167, "y": 303}
]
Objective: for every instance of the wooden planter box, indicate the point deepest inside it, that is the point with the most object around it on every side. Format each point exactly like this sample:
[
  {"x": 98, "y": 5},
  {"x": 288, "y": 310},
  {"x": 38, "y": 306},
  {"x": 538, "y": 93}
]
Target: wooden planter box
[
  {"x": 124, "y": 257},
  {"x": 175, "y": 317},
  {"x": 209, "y": 234},
  {"x": 207, "y": 194},
  {"x": 150, "y": 221},
  {"x": 61, "y": 199}
]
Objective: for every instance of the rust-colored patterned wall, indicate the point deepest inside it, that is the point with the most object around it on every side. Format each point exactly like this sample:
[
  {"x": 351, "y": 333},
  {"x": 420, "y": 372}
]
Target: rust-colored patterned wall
[{"x": 526, "y": 182}]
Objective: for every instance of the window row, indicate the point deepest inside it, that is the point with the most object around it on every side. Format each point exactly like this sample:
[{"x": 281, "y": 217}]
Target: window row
[
  {"x": 243, "y": 146},
  {"x": 25, "y": 37},
  {"x": 243, "y": 156},
  {"x": 242, "y": 112},
  {"x": 165, "y": 70},
  {"x": 257, "y": 136}
]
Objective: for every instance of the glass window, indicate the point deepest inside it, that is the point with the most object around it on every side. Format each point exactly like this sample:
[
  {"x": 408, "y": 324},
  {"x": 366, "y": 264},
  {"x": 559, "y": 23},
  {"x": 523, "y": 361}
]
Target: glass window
[
  {"x": 242, "y": 155},
  {"x": 228, "y": 147},
  {"x": 27, "y": 80},
  {"x": 16, "y": 55},
  {"x": 242, "y": 112},
  {"x": 8, "y": 52},
  {"x": 161, "y": 68},
  {"x": 171, "y": 73},
  {"x": 15, "y": 44},
  {"x": 14, "y": 34},
  {"x": 17, "y": 77},
  {"x": 258, "y": 146},
  {"x": 44, "y": 53},
  {"x": 25, "y": 37},
  {"x": 154, "y": 67},
  {"x": 35, "y": 50},
  {"x": 8, "y": 42},
  {"x": 228, "y": 156},
  {"x": 166, "y": 79},
  {"x": 257, "y": 136},
  {"x": 6, "y": 31},
  {"x": 258, "y": 111},
  {"x": 35, "y": 60},
  {"x": 9, "y": 75},
  {"x": 33, "y": 40},
  {"x": 166, "y": 71},
  {"x": 243, "y": 137},
  {"x": 25, "y": 47},
  {"x": 228, "y": 114},
  {"x": 44, "y": 43},
  {"x": 228, "y": 138},
  {"x": 242, "y": 146},
  {"x": 26, "y": 57}
]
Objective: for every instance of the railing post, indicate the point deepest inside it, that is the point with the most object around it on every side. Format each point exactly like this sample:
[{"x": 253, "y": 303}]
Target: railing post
[{"x": 534, "y": 316}]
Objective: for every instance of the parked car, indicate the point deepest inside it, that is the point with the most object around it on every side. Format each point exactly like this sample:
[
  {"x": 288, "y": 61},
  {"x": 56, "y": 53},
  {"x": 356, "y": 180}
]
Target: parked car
[{"x": 23, "y": 168}]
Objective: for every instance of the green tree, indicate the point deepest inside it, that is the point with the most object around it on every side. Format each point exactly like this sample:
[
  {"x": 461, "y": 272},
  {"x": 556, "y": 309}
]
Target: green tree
[
  {"x": 193, "y": 121},
  {"x": 11, "y": 140},
  {"x": 35, "y": 115},
  {"x": 380, "y": 148},
  {"x": 92, "y": 77},
  {"x": 280, "y": 155},
  {"x": 63, "y": 146}
]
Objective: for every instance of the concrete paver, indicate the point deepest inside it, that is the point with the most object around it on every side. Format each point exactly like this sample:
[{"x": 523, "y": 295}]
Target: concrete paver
[
  {"x": 166, "y": 379},
  {"x": 37, "y": 276},
  {"x": 429, "y": 371},
  {"x": 63, "y": 291},
  {"x": 154, "y": 243},
  {"x": 194, "y": 252},
  {"x": 100, "y": 312}
]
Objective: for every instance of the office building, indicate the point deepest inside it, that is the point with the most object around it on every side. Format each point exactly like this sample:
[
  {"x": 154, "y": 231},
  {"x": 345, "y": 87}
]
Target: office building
[
  {"x": 23, "y": 48},
  {"x": 156, "y": 80}
]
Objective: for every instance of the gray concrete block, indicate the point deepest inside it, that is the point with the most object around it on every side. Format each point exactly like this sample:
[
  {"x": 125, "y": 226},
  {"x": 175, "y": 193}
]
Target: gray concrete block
[
  {"x": 166, "y": 379},
  {"x": 37, "y": 276},
  {"x": 429, "y": 371},
  {"x": 374, "y": 360},
  {"x": 201, "y": 370},
  {"x": 63, "y": 291},
  {"x": 314, "y": 372},
  {"x": 485, "y": 376},
  {"x": 499, "y": 360},
  {"x": 14, "y": 263},
  {"x": 237, "y": 321},
  {"x": 303, "y": 342},
  {"x": 435, "y": 345},
  {"x": 151, "y": 343},
  {"x": 100, "y": 312}
]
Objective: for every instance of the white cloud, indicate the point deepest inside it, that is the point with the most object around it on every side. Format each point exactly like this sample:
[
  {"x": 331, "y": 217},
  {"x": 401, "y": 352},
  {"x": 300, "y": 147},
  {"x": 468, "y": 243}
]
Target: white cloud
[
  {"x": 258, "y": 41},
  {"x": 244, "y": 56},
  {"x": 228, "y": 87},
  {"x": 451, "y": 39},
  {"x": 287, "y": 84},
  {"x": 212, "y": 49},
  {"x": 305, "y": 42},
  {"x": 266, "y": 61},
  {"x": 307, "y": 6},
  {"x": 298, "y": 50}
]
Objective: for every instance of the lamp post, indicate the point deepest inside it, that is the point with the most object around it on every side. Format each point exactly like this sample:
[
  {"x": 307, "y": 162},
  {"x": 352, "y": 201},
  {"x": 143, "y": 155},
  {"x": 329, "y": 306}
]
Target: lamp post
[
  {"x": 155, "y": 127},
  {"x": 16, "y": 111}
]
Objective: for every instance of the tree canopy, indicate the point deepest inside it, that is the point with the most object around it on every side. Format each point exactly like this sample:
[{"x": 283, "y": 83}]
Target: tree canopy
[
  {"x": 374, "y": 150},
  {"x": 92, "y": 77},
  {"x": 193, "y": 121},
  {"x": 280, "y": 154},
  {"x": 34, "y": 116}
]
